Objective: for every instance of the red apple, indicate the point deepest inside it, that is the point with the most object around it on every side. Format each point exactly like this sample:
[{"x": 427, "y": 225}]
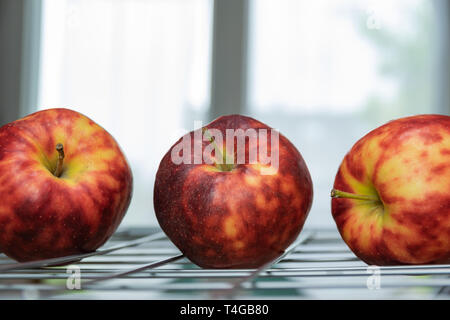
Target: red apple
[
  {"x": 65, "y": 185},
  {"x": 233, "y": 215},
  {"x": 392, "y": 193}
]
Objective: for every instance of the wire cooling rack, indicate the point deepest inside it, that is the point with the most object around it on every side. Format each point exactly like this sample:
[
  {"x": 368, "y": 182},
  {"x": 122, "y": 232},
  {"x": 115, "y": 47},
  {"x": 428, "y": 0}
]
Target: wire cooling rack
[{"x": 144, "y": 264}]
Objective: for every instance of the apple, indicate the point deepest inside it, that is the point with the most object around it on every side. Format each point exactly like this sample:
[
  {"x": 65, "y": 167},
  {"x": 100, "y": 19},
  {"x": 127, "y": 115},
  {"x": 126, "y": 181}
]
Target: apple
[
  {"x": 223, "y": 210},
  {"x": 65, "y": 185},
  {"x": 391, "y": 196}
]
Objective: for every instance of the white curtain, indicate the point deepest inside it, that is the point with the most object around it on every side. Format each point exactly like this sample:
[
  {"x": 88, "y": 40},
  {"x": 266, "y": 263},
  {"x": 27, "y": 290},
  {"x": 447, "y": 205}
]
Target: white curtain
[{"x": 138, "y": 68}]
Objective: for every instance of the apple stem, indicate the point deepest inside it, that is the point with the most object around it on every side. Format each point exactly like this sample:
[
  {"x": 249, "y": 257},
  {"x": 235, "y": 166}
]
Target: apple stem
[
  {"x": 342, "y": 194},
  {"x": 59, "y": 165},
  {"x": 224, "y": 166}
]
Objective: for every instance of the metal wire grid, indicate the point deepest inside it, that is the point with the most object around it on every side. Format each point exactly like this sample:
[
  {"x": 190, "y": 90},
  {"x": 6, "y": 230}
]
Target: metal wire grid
[{"x": 133, "y": 265}]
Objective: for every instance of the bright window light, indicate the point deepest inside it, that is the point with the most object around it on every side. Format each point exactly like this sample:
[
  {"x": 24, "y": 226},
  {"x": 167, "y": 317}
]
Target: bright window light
[{"x": 138, "y": 68}]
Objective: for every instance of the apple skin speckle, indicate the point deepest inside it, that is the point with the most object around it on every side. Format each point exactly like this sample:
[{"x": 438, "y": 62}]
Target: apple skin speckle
[
  {"x": 237, "y": 218},
  {"x": 405, "y": 162},
  {"x": 44, "y": 216}
]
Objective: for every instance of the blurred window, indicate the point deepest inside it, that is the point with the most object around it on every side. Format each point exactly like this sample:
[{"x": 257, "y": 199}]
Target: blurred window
[{"x": 326, "y": 72}]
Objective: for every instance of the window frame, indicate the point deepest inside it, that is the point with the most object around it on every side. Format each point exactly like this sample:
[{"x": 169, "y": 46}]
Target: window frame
[
  {"x": 229, "y": 58},
  {"x": 21, "y": 36},
  {"x": 442, "y": 67}
]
